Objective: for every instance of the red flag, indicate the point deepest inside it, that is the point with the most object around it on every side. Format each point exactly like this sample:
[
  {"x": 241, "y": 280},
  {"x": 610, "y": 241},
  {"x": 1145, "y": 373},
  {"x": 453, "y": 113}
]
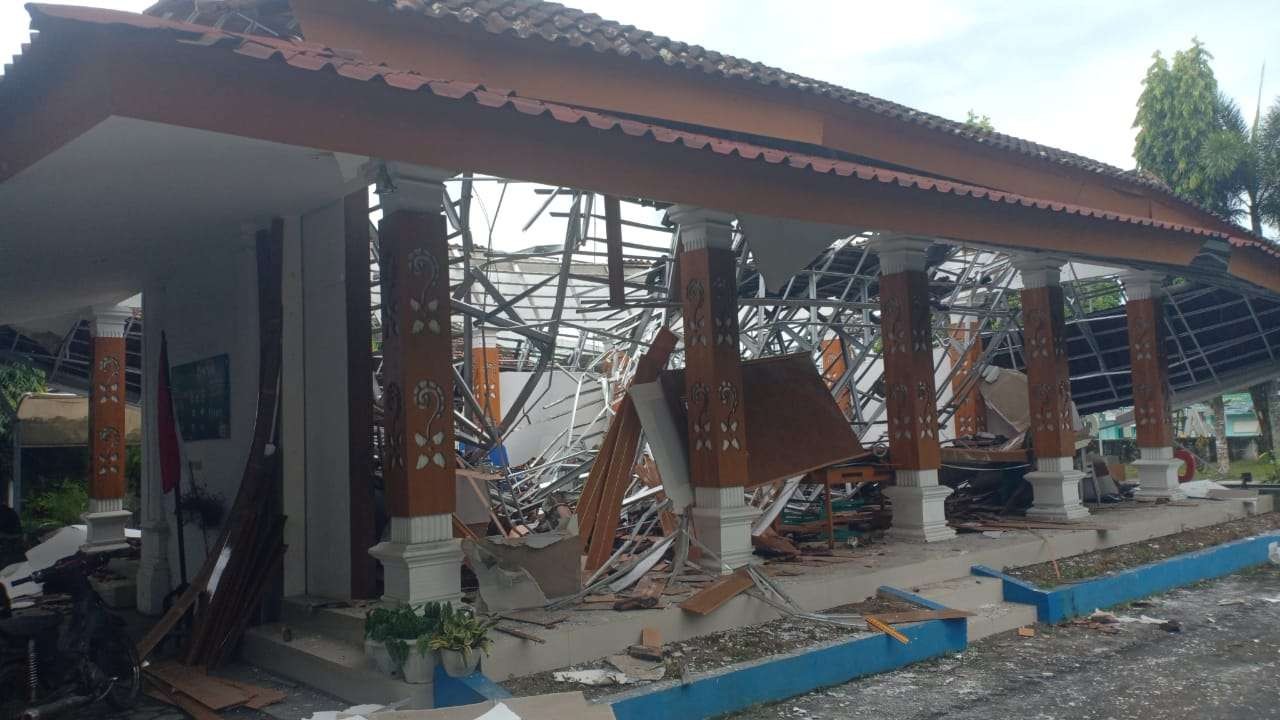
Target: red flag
[{"x": 170, "y": 455}]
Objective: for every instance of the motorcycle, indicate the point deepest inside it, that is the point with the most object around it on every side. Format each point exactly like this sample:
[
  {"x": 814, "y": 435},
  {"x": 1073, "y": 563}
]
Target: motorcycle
[{"x": 55, "y": 658}]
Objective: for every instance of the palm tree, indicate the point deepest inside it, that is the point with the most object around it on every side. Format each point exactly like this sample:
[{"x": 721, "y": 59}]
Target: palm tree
[{"x": 1244, "y": 161}]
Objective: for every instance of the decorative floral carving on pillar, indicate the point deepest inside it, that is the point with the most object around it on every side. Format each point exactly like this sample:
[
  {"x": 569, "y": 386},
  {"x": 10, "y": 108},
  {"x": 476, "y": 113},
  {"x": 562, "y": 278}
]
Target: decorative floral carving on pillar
[
  {"x": 393, "y": 414},
  {"x": 108, "y": 458},
  {"x": 426, "y": 309},
  {"x": 700, "y": 399},
  {"x": 429, "y": 396},
  {"x": 697, "y": 319},
  {"x": 729, "y": 425}
]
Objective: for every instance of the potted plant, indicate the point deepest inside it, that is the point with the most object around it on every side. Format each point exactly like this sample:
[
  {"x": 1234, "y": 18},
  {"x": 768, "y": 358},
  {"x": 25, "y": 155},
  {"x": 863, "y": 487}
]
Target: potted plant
[
  {"x": 396, "y": 640},
  {"x": 460, "y": 640}
]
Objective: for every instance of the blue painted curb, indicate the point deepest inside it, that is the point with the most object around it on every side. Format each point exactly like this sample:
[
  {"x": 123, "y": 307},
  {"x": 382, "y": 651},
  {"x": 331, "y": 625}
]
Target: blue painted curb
[
  {"x": 474, "y": 688},
  {"x": 1067, "y": 601},
  {"x": 778, "y": 678}
]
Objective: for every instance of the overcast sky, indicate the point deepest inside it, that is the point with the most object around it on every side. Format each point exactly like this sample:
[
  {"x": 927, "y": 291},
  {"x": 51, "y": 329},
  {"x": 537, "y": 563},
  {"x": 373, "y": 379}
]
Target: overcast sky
[{"x": 1065, "y": 74}]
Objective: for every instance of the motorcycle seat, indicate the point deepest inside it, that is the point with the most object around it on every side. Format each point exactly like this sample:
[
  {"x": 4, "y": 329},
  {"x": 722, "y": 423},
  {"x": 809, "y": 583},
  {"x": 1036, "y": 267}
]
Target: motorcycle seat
[{"x": 27, "y": 624}]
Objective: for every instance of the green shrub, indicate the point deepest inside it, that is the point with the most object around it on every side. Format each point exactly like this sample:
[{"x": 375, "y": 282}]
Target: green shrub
[{"x": 61, "y": 503}]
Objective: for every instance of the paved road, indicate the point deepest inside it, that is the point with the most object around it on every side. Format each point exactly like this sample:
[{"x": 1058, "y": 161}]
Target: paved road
[{"x": 1223, "y": 666}]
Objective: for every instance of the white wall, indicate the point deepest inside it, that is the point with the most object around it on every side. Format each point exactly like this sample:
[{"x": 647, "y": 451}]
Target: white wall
[
  {"x": 542, "y": 425},
  {"x": 208, "y": 305}
]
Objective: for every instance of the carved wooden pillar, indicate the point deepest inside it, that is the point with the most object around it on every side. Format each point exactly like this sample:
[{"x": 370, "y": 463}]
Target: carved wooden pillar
[
  {"x": 421, "y": 560},
  {"x": 713, "y": 384},
  {"x": 1055, "y": 481},
  {"x": 107, "y": 517},
  {"x": 1157, "y": 469},
  {"x": 484, "y": 373},
  {"x": 970, "y": 417},
  {"x": 910, "y": 397}
]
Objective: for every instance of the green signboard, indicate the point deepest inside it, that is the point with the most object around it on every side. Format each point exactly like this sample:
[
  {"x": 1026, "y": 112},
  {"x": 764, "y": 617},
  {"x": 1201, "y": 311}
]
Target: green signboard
[{"x": 202, "y": 398}]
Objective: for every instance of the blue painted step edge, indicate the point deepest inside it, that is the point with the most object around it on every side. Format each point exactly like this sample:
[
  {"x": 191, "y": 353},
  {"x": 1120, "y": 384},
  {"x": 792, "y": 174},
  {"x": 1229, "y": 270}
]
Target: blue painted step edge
[
  {"x": 780, "y": 677},
  {"x": 474, "y": 688},
  {"x": 1067, "y": 601}
]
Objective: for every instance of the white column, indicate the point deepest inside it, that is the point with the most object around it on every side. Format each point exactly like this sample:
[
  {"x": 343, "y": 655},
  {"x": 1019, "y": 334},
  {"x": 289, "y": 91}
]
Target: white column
[
  {"x": 155, "y": 579},
  {"x": 919, "y": 507}
]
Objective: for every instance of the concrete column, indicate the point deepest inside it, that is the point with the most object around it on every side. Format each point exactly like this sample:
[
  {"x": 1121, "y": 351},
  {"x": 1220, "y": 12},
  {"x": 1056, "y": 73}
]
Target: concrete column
[
  {"x": 421, "y": 561},
  {"x": 155, "y": 579},
  {"x": 1157, "y": 470},
  {"x": 1056, "y": 482},
  {"x": 910, "y": 396},
  {"x": 713, "y": 383},
  {"x": 107, "y": 517}
]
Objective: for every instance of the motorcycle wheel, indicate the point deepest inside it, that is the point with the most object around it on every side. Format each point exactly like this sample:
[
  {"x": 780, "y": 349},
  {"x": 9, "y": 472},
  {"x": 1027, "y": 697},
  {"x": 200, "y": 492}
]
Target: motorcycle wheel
[{"x": 115, "y": 656}]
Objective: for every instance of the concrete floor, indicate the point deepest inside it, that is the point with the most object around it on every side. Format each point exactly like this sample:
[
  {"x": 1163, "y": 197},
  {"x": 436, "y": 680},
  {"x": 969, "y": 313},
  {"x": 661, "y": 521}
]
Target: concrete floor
[{"x": 1222, "y": 665}]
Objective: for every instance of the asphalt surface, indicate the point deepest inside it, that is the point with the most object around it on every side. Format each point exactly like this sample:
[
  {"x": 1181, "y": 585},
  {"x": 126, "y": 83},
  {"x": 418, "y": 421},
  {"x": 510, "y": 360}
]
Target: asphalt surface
[{"x": 1222, "y": 665}]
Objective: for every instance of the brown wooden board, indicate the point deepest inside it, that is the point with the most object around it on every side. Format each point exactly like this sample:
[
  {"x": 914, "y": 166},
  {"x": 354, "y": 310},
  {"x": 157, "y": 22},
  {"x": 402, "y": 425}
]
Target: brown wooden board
[
  {"x": 208, "y": 691},
  {"x": 791, "y": 418},
  {"x": 710, "y": 598},
  {"x": 259, "y": 696},
  {"x": 910, "y": 616},
  {"x": 178, "y": 700}
]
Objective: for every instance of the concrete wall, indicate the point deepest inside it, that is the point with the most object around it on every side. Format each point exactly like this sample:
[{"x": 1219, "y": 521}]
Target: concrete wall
[
  {"x": 207, "y": 304},
  {"x": 328, "y": 527}
]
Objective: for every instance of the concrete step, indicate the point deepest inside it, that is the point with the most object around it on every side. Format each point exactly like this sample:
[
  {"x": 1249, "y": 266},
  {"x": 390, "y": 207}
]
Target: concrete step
[
  {"x": 966, "y": 593},
  {"x": 338, "y": 668},
  {"x": 999, "y": 617},
  {"x": 339, "y": 623}
]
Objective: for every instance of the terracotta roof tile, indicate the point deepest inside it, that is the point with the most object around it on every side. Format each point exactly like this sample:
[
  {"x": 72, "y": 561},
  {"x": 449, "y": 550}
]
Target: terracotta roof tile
[
  {"x": 557, "y": 23},
  {"x": 312, "y": 57}
]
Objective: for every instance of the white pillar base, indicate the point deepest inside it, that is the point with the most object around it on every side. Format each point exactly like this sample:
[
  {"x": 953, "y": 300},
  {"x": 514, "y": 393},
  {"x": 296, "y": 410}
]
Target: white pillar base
[
  {"x": 1056, "y": 486},
  {"x": 1158, "y": 475},
  {"x": 422, "y": 561},
  {"x": 722, "y": 521},
  {"x": 154, "y": 579},
  {"x": 919, "y": 511},
  {"x": 106, "y": 521}
]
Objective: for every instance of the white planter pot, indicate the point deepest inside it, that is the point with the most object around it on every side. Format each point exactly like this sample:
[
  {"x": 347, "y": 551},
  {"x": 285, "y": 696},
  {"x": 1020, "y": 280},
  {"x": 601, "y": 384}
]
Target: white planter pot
[
  {"x": 378, "y": 656},
  {"x": 459, "y": 664},
  {"x": 418, "y": 668}
]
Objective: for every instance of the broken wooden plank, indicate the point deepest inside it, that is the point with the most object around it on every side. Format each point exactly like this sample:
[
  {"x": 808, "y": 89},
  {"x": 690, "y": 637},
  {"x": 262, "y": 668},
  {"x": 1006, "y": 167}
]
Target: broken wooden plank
[
  {"x": 204, "y": 689},
  {"x": 259, "y": 696},
  {"x": 543, "y": 620},
  {"x": 178, "y": 700},
  {"x": 885, "y": 628},
  {"x": 910, "y": 616},
  {"x": 520, "y": 634},
  {"x": 710, "y": 598}
]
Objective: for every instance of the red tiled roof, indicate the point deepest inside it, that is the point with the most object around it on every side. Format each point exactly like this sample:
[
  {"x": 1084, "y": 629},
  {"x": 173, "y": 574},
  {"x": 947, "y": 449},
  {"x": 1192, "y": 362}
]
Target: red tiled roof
[
  {"x": 313, "y": 57},
  {"x": 556, "y": 23}
]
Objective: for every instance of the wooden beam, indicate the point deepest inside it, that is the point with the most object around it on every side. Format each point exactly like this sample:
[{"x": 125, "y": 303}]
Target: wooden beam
[{"x": 613, "y": 247}]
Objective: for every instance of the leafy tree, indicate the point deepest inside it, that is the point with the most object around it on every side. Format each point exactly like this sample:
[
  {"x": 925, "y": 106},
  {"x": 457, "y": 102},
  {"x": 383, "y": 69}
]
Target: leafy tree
[
  {"x": 1179, "y": 115},
  {"x": 15, "y": 379},
  {"x": 1196, "y": 139}
]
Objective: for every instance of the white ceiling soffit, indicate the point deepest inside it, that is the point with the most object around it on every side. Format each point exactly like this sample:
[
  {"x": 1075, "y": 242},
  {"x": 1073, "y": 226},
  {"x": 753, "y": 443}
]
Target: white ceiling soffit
[{"x": 782, "y": 248}]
